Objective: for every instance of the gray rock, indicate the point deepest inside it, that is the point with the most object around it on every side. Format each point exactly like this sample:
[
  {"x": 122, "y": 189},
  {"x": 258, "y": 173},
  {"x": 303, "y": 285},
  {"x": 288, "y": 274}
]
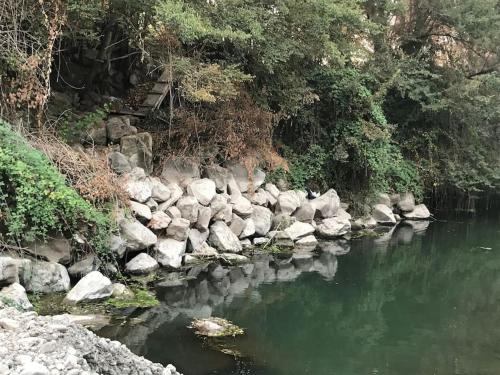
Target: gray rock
[
  {"x": 272, "y": 189},
  {"x": 343, "y": 214},
  {"x": 203, "y": 190},
  {"x": 93, "y": 286},
  {"x": 180, "y": 171},
  {"x": 237, "y": 225},
  {"x": 246, "y": 243},
  {"x": 367, "y": 222},
  {"x": 288, "y": 202},
  {"x": 188, "y": 206},
  {"x": 219, "y": 175},
  {"x": 258, "y": 241},
  {"x": 119, "y": 163},
  {"x": 383, "y": 214},
  {"x": 248, "y": 230},
  {"x": 141, "y": 264},
  {"x": 8, "y": 271},
  {"x": 205, "y": 251},
  {"x": 204, "y": 216},
  {"x": 34, "y": 368},
  {"x": 196, "y": 239},
  {"x": 53, "y": 249},
  {"x": 240, "y": 173},
  {"x": 175, "y": 194},
  {"x": 327, "y": 204},
  {"x": 159, "y": 220},
  {"x": 151, "y": 203},
  {"x": 140, "y": 211},
  {"x": 242, "y": 206},
  {"x": 221, "y": 210},
  {"x": 159, "y": 191},
  {"x": 121, "y": 291},
  {"x": 258, "y": 198},
  {"x": 333, "y": 227},
  {"x": 420, "y": 212},
  {"x": 139, "y": 190},
  {"x": 271, "y": 200},
  {"x": 84, "y": 266},
  {"x": 383, "y": 198},
  {"x": 406, "y": 202},
  {"x": 223, "y": 239},
  {"x": 15, "y": 295},
  {"x": 307, "y": 241},
  {"x": 234, "y": 258},
  {"x": 96, "y": 135},
  {"x": 117, "y": 245},
  {"x": 138, "y": 149},
  {"x": 170, "y": 252},
  {"x": 118, "y": 127},
  {"x": 173, "y": 212},
  {"x": 178, "y": 229},
  {"x": 282, "y": 221},
  {"x": 45, "y": 277},
  {"x": 298, "y": 230},
  {"x": 136, "y": 235},
  {"x": 262, "y": 218},
  {"x": 305, "y": 213}
]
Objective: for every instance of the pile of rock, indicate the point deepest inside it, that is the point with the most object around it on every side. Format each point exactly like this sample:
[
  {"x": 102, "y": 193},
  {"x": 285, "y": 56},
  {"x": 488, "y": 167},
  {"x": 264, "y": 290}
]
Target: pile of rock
[{"x": 42, "y": 345}]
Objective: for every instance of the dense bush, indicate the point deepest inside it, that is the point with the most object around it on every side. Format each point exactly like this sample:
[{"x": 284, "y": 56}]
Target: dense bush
[{"x": 34, "y": 197}]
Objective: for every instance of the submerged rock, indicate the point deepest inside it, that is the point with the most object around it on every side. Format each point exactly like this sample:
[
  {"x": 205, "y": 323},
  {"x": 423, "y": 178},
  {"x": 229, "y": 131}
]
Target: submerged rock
[{"x": 215, "y": 327}]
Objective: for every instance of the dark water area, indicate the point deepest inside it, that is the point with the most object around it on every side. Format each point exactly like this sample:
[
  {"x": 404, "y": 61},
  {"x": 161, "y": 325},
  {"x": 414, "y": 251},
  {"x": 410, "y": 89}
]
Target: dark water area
[{"x": 422, "y": 298}]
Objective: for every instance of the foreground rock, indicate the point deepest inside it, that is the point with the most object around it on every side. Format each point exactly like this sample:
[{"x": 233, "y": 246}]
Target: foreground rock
[
  {"x": 46, "y": 345},
  {"x": 94, "y": 286},
  {"x": 420, "y": 212}
]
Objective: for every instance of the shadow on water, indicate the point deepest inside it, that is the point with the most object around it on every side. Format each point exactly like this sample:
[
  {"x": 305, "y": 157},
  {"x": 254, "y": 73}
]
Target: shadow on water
[{"x": 421, "y": 298}]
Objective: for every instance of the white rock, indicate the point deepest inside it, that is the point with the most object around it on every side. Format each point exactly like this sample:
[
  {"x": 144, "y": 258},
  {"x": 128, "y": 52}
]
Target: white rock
[
  {"x": 136, "y": 235},
  {"x": 259, "y": 197},
  {"x": 234, "y": 258},
  {"x": 34, "y": 368},
  {"x": 203, "y": 190},
  {"x": 8, "y": 271},
  {"x": 298, "y": 230},
  {"x": 333, "y": 227},
  {"x": 219, "y": 175},
  {"x": 121, "y": 291},
  {"x": 45, "y": 277},
  {"x": 139, "y": 191},
  {"x": 175, "y": 194},
  {"x": 159, "y": 220},
  {"x": 221, "y": 210},
  {"x": 178, "y": 229},
  {"x": 204, "y": 216},
  {"x": 257, "y": 241},
  {"x": 117, "y": 245},
  {"x": 240, "y": 173},
  {"x": 159, "y": 191},
  {"x": 383, "y": 198},
  {"x": 170, "y": 252},
  {"x": 141, "y": 264},
  {"x": 305, "y": 213},
  {"x": 420, "y": 212},
  {"x": 383, "y": 214},
  {"x": 151, "y": 203},
  {"x": 140, "y": 211},
  {"x": 223, "y": 239},
  {"x": 327, "y": 204},
  {"x": 271, "y": 200},
  {"x": 262, "y": 218},
  {"x": 237, "y": 225},
  {"x": 93, "y": 286},
  {"x": 180, "y": 170},
  {"x": 205, "y": 250},
  {"x": 173, "y": 212},
  {"x": 16, "y": 294},
  {"x": 242, "y": 206},
  {"x": 343, "y": 214},
  {"x": 288, "y": 202},
  {"x": 406, "y": 202},
  {"x": 196, "y": 238},
  {"x": 248, "y": 230},
  {"x": 272, "y": 189},
  {"x": 307, "y": 241},
  {"x": 188, "y": 206}
]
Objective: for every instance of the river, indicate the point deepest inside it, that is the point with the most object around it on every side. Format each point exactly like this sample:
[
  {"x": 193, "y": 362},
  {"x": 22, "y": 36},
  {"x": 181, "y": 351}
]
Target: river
[{"x": 421, "y": 298}]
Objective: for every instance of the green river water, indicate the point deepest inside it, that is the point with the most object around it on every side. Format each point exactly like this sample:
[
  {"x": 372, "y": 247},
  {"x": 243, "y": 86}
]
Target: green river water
[{"x": 420, "y": 299}]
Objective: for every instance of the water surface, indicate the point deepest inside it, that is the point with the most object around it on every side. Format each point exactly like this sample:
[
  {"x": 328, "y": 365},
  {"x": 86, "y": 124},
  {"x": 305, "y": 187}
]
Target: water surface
[{"x": 421, "y": 299}]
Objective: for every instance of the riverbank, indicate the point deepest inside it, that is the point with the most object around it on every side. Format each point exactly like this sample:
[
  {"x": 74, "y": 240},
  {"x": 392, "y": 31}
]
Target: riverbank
[{"x": 44, "y": 345}]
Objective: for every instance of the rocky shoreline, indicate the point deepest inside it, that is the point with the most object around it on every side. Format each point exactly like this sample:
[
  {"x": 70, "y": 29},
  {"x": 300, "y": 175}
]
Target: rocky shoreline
[{"x": 43, "y": 345}]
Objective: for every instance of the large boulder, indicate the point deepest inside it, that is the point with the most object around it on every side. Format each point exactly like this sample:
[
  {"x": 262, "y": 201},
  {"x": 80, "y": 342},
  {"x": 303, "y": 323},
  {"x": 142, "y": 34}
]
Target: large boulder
[
  {"x": 223, "y": 239},
  {"x": 141, "y": 264},
  {"x": 188, "y": 206},
  {"x": 15, "y": 295},
  {"x": 333, "y": 227},
  {"x": 170, "y": 252},
  {"x": 203, "y": 190},
  {"x": 242, "y": 206},
  {"x": 93, "y": 286},
  {"x": 53, "y": 249},
  {"x": 45, "y": 277},
  {"x": 262, "y": 218},
  {"x": 288, "y": 202},
  {"x": 383, "y": 214},
  {"x": 175, "y": 194},
  {"x": 139, "y": 190},
  {"x": 242, "y": 178},
  {"x": 298, "y": 230},
  {"x": 219, "y": 175},
  {"x": 8, "y": 271},
  {"x": 118, "y": 127},
  {"x": 136, "y": 235},
  {"x": 180, "y": 171},
  {"x": 406, "y": 202},
  {"x": 327, "y": 204},
  {"x": 237, "y": 225},
  {"x": 138, "y": 149},
  {"x": 420, "y": 212},
  {"x": 178, "y": 229}
]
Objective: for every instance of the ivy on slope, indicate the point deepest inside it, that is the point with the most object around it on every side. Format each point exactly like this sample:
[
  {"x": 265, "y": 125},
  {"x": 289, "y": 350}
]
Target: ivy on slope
[{"x": 35, "y": 199}]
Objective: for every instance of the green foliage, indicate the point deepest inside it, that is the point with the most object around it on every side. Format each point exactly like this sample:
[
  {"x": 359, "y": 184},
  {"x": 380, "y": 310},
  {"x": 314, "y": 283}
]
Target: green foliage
[
  {"x": 72, "y": 124},
  {"x": 142, "y": 298},
  {"x": 34, "y": 198}
]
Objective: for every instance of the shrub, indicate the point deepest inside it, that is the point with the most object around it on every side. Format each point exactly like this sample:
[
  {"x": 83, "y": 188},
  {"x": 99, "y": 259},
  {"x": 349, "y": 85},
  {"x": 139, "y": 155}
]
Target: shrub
[{"x": 34, "y": 197}]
